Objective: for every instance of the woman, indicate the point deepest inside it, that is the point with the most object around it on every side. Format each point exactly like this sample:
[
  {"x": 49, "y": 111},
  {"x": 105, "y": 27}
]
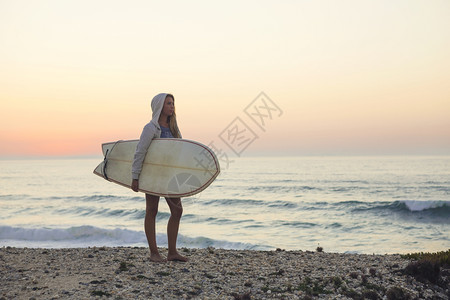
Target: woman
[{"x": 162, "y": 125}]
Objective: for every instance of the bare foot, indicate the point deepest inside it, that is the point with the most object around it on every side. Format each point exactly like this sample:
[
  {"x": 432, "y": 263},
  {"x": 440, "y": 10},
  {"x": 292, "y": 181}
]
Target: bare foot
[
  {"x": 177, "y": 257},
  {"x": 157, "y": 258}
]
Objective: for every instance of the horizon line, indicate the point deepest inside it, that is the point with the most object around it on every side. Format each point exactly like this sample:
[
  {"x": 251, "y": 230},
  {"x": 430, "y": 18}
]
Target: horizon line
[{"x": 99, "y": 156}]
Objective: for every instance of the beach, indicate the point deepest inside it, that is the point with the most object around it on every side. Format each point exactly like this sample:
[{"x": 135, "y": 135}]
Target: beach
[{"x": 127, "y": 273}]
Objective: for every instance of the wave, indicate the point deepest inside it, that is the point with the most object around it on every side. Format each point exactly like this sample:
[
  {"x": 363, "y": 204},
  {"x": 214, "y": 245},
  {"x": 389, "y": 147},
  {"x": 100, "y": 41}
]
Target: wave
[
  {"x": 15, "y": 197},
  {"x": 276, "y": 189},
  {"x": 86, "y": 211},
  {"x": 296, "y": 224},
  {"x": 250, "y": 203},
  {"x": 77, "y": 235},
  {"x": 234, "y": 202},
  {"x": 400, "y": 205},
  {"x": 98, "y": 198},
  {"x": 86, "y": 198},
  {"x": 419, "y": 210},
  {"x": 417, "y": 205},
  {"x": 282, "y": 204},
  {"x": 90, "y": 236},
  {"x": 441, "y": 208}
]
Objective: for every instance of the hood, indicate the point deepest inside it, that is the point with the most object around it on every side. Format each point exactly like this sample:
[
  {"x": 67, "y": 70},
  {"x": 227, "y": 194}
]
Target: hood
[{"x": 157, "y": 105}]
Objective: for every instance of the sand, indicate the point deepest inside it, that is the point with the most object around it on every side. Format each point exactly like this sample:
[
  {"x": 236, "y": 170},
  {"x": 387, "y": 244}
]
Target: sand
[{"x": 127, "y": 273}]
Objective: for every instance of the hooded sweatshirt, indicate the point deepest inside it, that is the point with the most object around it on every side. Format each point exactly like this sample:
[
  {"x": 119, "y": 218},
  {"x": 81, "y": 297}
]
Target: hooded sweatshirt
[{"x": 151, "y": 130}]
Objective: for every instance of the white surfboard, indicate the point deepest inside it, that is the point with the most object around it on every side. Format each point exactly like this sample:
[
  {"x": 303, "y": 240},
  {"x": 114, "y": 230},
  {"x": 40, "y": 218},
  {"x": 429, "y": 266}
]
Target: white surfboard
[{"x": 171, "y": 168}]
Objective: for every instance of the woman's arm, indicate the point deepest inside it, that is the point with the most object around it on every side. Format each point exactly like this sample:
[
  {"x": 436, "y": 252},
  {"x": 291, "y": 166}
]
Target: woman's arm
[{"x": 148, "y": 133}]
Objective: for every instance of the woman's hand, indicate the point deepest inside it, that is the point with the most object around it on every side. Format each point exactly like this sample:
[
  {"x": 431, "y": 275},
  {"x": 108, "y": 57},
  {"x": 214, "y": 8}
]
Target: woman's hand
[{"x": 135, "y": 185}]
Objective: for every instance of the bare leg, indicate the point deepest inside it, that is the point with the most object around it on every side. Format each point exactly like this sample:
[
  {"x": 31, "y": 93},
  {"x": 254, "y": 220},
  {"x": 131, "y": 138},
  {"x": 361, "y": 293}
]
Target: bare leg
[
  {"x": 150, "y": 226},
  {"x": 176, "y": 210}
]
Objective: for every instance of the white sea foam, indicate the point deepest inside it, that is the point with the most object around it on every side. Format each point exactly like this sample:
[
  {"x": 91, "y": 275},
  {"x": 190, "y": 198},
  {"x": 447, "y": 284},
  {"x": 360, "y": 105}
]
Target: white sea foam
[
  {"x": 90, "y": 236},
  {"x": 418, "y": 205}
]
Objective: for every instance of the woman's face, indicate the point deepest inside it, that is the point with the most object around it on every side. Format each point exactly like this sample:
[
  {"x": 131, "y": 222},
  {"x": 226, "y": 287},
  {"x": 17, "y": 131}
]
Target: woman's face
[{"x": 169, "y": 106}]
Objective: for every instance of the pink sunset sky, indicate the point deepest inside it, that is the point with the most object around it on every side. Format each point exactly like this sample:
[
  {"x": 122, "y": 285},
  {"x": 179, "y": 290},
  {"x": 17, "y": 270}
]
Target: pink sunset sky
[{"x": 349, "y": 77}]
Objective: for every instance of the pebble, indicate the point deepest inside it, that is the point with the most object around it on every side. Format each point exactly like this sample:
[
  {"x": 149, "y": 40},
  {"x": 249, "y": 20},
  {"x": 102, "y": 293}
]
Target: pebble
[{"x": 211, "y": 273}]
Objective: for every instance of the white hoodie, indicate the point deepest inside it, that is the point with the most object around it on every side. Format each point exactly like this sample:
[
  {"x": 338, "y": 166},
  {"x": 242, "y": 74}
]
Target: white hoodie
[{"x": 151, "y": 130}]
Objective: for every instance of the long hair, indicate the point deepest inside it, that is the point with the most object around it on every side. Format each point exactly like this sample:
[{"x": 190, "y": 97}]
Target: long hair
[{"x": 172, "y": 120}]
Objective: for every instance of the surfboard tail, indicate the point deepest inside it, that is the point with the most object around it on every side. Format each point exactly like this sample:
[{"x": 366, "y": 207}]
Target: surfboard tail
[{"x": 99, "y": 170}]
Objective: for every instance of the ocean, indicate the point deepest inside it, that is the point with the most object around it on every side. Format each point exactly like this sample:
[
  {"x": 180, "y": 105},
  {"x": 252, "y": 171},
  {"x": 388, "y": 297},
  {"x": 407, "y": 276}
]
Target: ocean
[{"x": 355, "y": 204}]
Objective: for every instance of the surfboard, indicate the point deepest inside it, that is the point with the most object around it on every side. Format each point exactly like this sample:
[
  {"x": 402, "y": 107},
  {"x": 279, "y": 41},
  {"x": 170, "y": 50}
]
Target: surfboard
[{"x": 171, "y": 168}]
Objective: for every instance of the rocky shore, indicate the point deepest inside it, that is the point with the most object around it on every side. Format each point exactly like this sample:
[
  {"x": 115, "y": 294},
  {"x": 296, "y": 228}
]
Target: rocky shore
[{"x": 127, "y": 273}]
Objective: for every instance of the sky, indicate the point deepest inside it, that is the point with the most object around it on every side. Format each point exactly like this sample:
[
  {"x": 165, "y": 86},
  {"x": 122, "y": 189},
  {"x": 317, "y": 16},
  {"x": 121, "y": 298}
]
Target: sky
[{"x": 287, "y": 77}]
